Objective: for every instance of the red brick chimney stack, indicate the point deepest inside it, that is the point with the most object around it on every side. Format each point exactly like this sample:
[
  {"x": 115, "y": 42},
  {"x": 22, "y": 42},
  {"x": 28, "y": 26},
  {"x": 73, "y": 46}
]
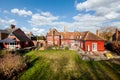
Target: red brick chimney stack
[
  {"x": 64, "y": 29},
  {"x": 116, "y": 34},
  {"x": 12, "y": 26},
  {"x": 97, "y": 33}
]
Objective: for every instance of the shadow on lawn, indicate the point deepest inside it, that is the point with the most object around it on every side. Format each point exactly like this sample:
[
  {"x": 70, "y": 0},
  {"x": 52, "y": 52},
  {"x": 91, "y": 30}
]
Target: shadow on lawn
[
  {"x": 104, "y": 70},
  {"x": 31, "y": 64}
]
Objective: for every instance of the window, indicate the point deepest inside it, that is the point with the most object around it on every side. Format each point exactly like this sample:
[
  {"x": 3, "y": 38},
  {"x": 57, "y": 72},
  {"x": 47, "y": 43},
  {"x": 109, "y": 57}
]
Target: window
[
  {"x": 80, "y": 37},
  {"x": 94, "y": 46},
  {"x": 61, "y": 36},
  {"x": 26, "y": 42},
  {"x": 88, "y": 48},
  {"x": 49, "y": 42},
  {"x": 56, "y": 42},
  {"x": 77, "y": 37},
  {"x": 56, "y": 37},
  {"x": 81, "y": 44}
]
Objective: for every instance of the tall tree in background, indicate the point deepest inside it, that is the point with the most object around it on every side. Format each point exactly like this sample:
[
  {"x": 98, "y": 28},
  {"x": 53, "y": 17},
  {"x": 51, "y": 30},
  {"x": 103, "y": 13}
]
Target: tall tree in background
[{"x": 107, "y": 32}]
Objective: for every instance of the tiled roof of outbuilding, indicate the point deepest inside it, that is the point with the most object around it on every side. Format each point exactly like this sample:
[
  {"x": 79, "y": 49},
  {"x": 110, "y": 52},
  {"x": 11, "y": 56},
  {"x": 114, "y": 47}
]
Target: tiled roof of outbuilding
[{"x": 91, "y": 36}]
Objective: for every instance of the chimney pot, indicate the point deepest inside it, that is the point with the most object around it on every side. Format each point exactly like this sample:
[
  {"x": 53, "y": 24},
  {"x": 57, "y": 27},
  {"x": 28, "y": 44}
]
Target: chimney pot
[{"x": 12, "y": 26}]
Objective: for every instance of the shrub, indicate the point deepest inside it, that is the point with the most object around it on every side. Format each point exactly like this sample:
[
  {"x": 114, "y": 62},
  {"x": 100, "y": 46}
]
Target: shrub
[
  {"x": 52, "y": 48},
  {"x": 2, "y": 52},
  {"x": 10, "y": 66},
  {"x": 66, "y": 48},
  {"x": 48, "y": 47},
  {"x": 113, "y": 46}
]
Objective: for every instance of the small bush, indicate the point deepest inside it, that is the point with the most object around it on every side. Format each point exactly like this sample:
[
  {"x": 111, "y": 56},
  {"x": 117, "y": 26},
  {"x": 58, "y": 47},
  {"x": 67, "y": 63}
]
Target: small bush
[
  {"x": 10, "y": 66},
  {"x": 52, "y": 48},
  {"x": 48, "y": 47},
  {"x": 115, "y": 47},
  {"x": 2, "y": 52},
  {"x": 66, "y": 48}
]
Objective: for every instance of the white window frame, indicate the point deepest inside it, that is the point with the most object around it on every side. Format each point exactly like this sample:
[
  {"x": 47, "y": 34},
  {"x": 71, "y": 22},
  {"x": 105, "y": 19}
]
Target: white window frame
[
  {"x": 94, "y": 46},
  {"x": 81, "y": 45}
]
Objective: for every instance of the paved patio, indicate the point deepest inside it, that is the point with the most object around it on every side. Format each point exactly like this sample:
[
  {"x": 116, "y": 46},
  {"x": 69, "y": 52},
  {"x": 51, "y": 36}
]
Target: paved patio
[{"x": 93, "y": 56}]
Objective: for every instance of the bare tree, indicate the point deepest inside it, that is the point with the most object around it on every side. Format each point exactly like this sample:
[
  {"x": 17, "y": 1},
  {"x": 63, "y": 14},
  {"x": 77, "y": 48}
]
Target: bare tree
[{"x": 107, "y": 32}]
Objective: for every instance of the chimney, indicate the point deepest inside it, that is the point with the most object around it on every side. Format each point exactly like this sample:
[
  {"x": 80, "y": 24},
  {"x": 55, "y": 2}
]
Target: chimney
[
  {"x": 12, "y": 26},
  {"x": 64, "y": 29},
  {"x": 97, "y": 33},
  {"x": 116, "y": 34}
]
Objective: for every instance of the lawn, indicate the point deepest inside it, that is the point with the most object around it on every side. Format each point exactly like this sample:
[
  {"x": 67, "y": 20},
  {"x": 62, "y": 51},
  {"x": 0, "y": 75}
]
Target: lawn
[{"x": 66, "y": 65}]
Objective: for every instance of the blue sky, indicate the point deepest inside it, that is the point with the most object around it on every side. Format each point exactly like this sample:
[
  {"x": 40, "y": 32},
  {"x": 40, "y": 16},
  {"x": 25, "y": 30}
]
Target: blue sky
[{"x": 40, "y": 15}]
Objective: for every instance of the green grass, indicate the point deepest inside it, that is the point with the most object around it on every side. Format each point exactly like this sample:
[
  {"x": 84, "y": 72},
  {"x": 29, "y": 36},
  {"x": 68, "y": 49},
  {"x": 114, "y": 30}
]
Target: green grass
[{"x": 66, "y": 65}]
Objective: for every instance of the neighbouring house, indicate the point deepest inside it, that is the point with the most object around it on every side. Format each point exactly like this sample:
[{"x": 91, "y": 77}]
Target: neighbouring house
[
  {"x": 15, "y": 38},
  {"x": 3, "y": 35},
  {"x": 39, "y": 41},
  {"x": 87, "y": 41},
  {"x": 116, "y": 36},
  {"x": 31, "y": 36}
]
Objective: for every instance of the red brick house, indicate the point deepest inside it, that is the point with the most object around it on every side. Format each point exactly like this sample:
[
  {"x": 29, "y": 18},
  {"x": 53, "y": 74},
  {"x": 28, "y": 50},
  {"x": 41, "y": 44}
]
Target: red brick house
[
  {"x": 53, "y": 38},
  {"x": 19, "y": 37},
  {"x": 85, "y": 40},
  {"x": 91, "y": 42}
]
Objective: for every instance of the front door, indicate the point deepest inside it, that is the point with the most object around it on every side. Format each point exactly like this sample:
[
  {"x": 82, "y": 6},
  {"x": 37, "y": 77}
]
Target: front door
[
  {"x": 94, "y": 46},
  {"x": 88, "y": 47}
]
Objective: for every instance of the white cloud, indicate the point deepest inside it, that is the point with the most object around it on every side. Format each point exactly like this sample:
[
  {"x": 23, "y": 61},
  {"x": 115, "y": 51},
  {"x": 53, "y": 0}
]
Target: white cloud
[
  {"x": 46, "y": 13},
  {"x": 88, "y": 18},
  {"x": 12, "y": 21},
  {"x": 38, "y": 31},
  {"x": 81, "y": 22},
  {"x": 105, "y": 13},
  {"x": 106, "y": 8},
  {"x": 7, "y": 21},
  {"x": 103, "y": 16},
  {"x": 21, "y": 12},
  {"x": 44, "y": 18},
  {"x": 2, "y": 21},
  {"x": 112, "y": 15},
  {"x": 35, "y": 31},
  {"x": 94, "y": 4}
]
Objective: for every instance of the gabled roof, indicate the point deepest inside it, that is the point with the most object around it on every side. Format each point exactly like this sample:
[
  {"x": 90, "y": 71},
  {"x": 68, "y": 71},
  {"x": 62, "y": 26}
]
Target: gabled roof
[
  {"x": 10, "y": 30},
  {"x": 7, "y": 40},
  {"x": 53, "y": 32},
  {"x": 4, "y": 31},
  {"x": 87, "y": 35},
  {"x": 20, "y": 35},
  {"x": 70, "y": 35},
  {"x": 90, "y": 36},
  {"x": 13, "y": 31}
]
